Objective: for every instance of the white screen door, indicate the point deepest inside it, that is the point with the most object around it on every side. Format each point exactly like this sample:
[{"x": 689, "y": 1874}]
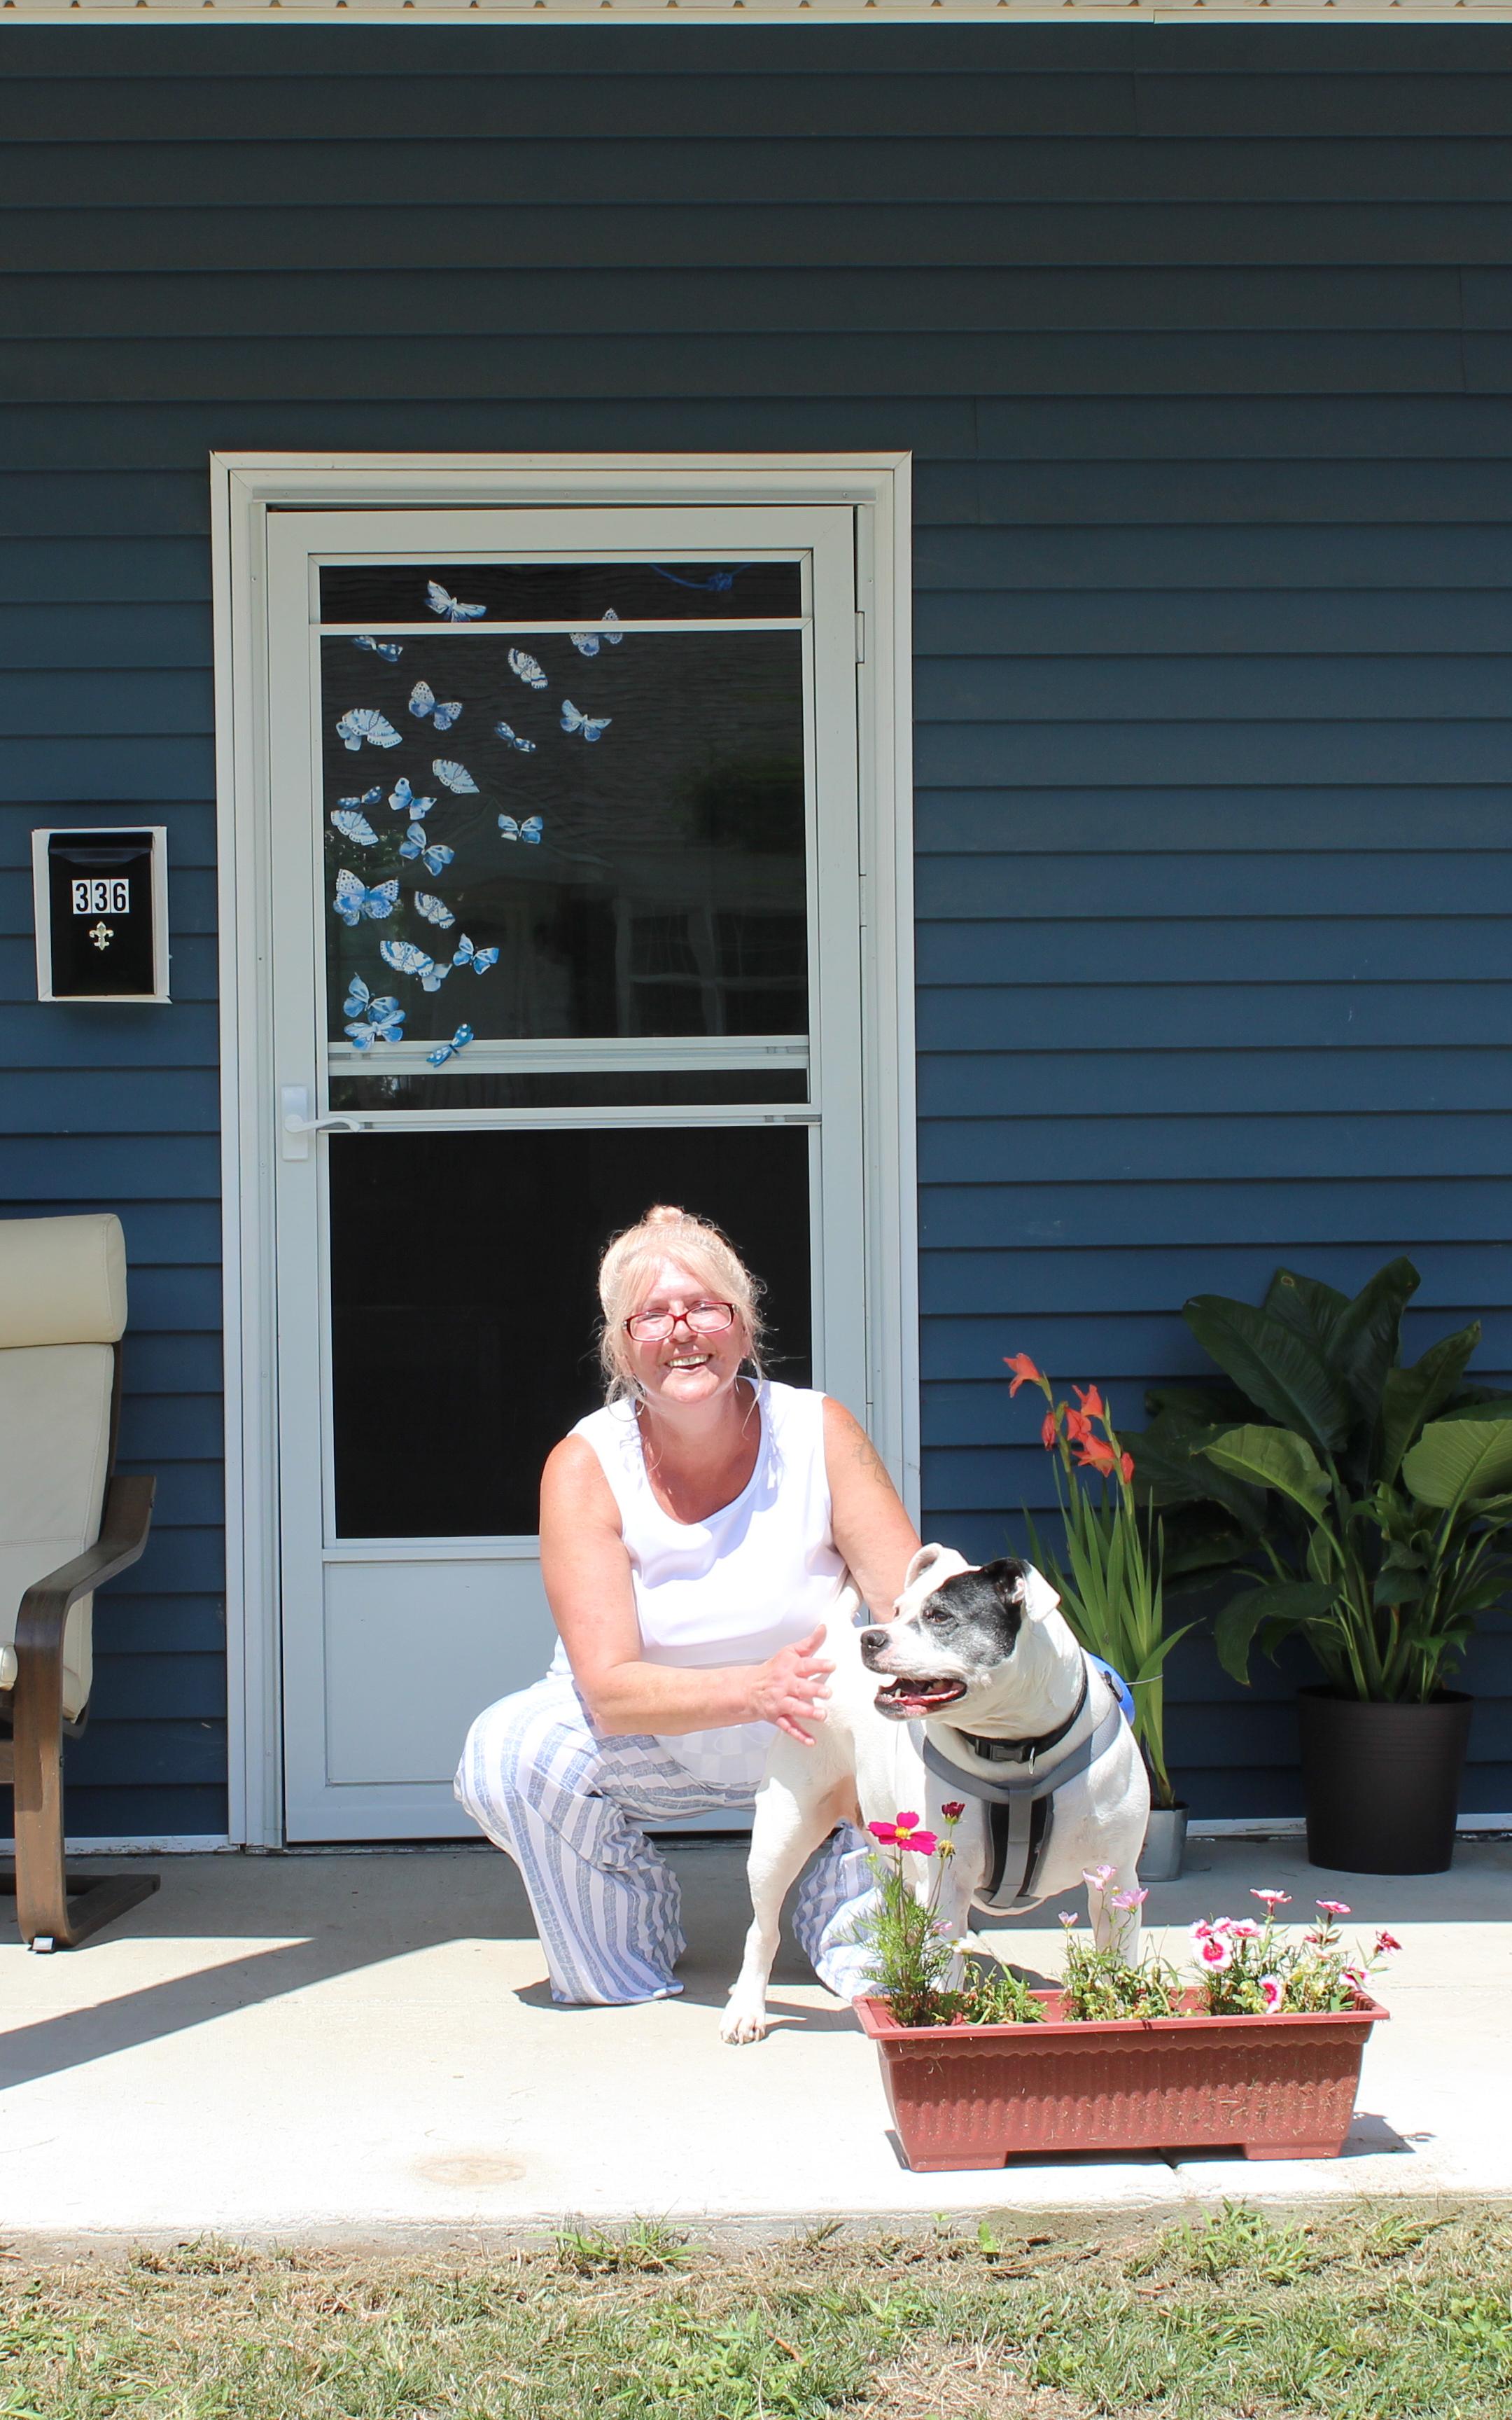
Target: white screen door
[{"x": 567, "y": 921}]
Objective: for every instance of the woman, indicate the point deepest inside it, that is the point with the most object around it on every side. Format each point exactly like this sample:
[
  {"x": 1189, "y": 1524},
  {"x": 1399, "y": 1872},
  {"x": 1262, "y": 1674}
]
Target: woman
[{"x": 695, "y": 1533}]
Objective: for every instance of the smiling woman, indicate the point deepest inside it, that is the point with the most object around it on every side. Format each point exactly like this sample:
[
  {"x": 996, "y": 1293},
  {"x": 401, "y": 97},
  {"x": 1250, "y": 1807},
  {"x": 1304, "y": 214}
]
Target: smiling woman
[{"x": 696, "y": 1534}]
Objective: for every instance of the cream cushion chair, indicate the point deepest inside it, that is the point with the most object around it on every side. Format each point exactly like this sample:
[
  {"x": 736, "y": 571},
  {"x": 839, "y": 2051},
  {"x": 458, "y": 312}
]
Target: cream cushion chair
[{"x": 62, "y": 1315}]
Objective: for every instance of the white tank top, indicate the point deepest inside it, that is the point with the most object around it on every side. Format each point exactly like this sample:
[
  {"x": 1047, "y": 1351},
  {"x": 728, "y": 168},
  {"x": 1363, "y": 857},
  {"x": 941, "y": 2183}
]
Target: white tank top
[{"x": 759, "y": 1573}]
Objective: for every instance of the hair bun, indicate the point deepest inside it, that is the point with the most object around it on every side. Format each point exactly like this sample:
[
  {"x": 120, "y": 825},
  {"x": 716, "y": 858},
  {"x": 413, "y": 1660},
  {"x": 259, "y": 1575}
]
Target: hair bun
[{"x": 663, "y": 1214}]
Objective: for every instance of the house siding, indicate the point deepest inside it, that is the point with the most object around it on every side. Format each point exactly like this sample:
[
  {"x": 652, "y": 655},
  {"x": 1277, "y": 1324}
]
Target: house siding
[{"x": 1202, "y": 341}]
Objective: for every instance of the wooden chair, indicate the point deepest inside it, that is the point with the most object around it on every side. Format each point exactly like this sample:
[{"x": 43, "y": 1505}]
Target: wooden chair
[{"x": 67, "y": 1525}]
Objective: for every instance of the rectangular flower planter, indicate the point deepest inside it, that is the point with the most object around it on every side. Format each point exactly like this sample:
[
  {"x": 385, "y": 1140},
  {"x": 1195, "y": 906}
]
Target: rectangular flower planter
[{"x": 1276, "y": 2087}]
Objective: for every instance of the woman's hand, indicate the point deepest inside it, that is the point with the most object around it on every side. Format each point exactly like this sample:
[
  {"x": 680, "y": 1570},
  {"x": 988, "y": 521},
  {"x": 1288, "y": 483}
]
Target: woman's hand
[{"x": 789, "y": 1689}]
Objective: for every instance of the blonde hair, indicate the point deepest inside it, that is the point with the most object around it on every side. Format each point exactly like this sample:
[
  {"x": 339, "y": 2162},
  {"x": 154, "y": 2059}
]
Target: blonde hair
[{"x": 630, "y": 1262}]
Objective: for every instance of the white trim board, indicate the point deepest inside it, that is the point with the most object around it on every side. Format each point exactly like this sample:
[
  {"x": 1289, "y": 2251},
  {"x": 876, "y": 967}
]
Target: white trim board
[
  {"x": 747, "y": 12},
  {"x": 245, "y": 488}
]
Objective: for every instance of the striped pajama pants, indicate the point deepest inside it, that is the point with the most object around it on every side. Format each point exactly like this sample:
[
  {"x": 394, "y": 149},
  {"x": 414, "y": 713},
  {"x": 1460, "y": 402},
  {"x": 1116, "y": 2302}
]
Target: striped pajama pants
[{"x": 564, "y": 1802}]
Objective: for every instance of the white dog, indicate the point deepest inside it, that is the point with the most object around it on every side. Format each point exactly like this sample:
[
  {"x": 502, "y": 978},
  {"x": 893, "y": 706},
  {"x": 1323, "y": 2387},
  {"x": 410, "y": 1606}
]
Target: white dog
[{"x": 1027, "y": 1707}]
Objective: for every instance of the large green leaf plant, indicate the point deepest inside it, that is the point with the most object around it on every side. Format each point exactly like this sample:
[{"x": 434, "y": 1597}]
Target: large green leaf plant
[{"x": 1369, "y": 1503}]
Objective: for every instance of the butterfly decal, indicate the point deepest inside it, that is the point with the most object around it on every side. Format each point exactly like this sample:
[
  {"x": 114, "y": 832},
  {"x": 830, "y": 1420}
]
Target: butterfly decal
[
  {"x": 353, "y": 825},
  {"x": 453, "y": 611},
  {"x": 389, "y": 649},
  {"x": 406, "y": 959},
  {"x": 454, "y": 776},
  {"x": 369, "y": 797},
  {"x": 434, "y": 910},
  {"x": 458, "y": 1042},
  {"x": 587, "y": 642},
  {"x": 479, "y": 960},
  {"x": 353, "y": 899},
  {"x": 525, "y": 668},
  {"x": 404, "y": 801},
  {"x": 423, "y": 701},
  {"x": 366, "y": 723},
  {"x": 434, "y": 853},
  {"x": 513, "y": 739},
  {"x": 376, "y": 1020},
  {"x": 592, "y": 726},
  {"x": 530, "y": 829},
  {"x": 718, "y": 583}
]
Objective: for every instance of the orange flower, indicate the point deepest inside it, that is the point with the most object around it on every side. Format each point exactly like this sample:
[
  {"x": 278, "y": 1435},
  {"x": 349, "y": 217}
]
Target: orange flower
[
  {"x": 1048, "y": 1432},
  {"x": 1126, "y": 1466},
  {"x": 1091, "y": 1403},
  {"x": 1097, "y": 1455},
  {"x": 1024, "y": 1369},
  {"x": 1078, "y": 1428}
]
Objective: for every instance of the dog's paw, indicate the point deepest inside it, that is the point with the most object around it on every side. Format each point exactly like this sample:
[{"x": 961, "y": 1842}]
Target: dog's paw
[{"x": 743, "y": 2022}]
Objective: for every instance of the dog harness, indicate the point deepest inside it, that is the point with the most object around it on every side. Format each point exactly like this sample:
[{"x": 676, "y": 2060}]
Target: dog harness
[{"x": 1021, "y": 1805}]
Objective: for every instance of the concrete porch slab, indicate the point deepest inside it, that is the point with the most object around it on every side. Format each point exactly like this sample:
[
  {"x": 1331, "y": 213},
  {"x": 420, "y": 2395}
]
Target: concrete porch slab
[{"x": 362, "y": 2049}]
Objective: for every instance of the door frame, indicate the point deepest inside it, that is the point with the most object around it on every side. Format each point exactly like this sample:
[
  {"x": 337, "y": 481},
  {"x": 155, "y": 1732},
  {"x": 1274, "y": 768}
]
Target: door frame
[{"x": 245, "y": 488}]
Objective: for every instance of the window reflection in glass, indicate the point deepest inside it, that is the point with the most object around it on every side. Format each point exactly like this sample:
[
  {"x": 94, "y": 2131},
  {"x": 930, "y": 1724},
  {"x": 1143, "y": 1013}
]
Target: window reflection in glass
[{"x": 606, "y": 845}]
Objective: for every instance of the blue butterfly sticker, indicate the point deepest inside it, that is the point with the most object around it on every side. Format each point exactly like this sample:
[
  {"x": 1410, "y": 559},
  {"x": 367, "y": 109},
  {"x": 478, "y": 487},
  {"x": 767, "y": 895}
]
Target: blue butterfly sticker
[
  {"x": 525, "y": 668},
  {"x": 353, "y": 825},
  {"x": 530, "y": 829},
  {"x": 449, "y": 607},
  {"x": 405, "y": 959},
  {"x": 369, "y": 797},
  {"x": 404, "y": 801},
  {"x": 366, "y": 723},
  {"x": 376, "y": 1020},
  {"x": 590, "y": 725},
  {"x": 587, "y": 642},
  {"x": 423, "y": 701},
  {"x": 718, "y": 583},
  {"x": 458, "y": 1042},
  {"x": 479, "y": 960},
  {"x": 434, "y": 910},
  {"x": 434, "y": 855},
  {"x": 513, "y": 739},
  {"x": 454, "y": 776},
  {"x": 353, "y": 900},
  {"x": 389, "y": 649}
]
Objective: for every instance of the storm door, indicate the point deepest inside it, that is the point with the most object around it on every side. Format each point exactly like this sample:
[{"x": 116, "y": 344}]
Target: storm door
[{"x": 565, "y": 921}]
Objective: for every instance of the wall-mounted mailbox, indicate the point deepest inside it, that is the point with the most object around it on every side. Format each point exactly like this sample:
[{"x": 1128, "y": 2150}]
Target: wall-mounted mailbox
[{"x": 102, "y": 914}]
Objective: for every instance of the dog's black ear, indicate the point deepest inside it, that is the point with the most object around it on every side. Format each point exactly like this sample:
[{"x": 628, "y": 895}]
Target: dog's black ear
[{"x": 1007, "y": 1579}]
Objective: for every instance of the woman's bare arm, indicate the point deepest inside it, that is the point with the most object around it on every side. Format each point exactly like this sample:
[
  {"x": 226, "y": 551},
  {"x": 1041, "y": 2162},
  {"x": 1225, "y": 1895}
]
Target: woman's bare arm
[
  {"x": 588, "y": 1587},
  {"x": 871, "y": 1530}
]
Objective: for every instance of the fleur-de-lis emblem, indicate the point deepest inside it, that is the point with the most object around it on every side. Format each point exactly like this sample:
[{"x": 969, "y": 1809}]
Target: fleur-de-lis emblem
[{"x": 102, "y": 933}]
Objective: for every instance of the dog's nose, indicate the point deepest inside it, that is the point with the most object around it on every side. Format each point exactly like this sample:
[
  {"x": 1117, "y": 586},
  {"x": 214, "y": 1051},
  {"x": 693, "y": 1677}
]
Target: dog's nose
[{"x": 874, "y": 1639}]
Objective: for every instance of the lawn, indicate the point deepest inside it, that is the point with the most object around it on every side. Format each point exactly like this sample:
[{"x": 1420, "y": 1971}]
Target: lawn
[{"x": 1361, "y": 2316}]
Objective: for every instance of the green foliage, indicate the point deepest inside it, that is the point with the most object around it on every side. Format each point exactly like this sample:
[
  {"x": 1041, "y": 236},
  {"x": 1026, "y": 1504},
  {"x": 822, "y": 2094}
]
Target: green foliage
[
  {"x": 1098, "y": 1985},
  {"x": 913, "y": 1961},
  {"x": 1239, "y": 2241},
  {"x": 1367, "y": 1504},
  {"x": 645, "y": 2247}
]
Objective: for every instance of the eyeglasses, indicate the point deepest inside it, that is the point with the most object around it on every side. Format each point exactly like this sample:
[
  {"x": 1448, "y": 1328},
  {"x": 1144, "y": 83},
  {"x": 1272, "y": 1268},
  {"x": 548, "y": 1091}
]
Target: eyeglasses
[{"x": 700, "y": 1318}]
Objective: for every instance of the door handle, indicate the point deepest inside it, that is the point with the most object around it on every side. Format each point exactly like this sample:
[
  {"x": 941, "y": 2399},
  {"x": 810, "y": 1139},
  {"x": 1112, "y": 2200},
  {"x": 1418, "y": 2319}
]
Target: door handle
[{"x": 299, "y": 1125}]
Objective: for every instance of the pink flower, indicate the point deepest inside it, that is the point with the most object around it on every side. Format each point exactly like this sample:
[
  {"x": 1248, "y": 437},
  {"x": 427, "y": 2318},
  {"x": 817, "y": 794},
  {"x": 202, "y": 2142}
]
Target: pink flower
[
  {"x": 1024, "y": 1373},
  {"x": 1244, "y": 1930},
  {"x": 905, "y": 1833},
  {"x": 1273, "y": 1898},
  {"x": 953, "y": 1809},
  {"x": 1331, "y": 1906},
  {"x": 1273, "y": 1991},
  {"x": 1067, "y": 1917},
  {"x": 1097, "y": 1877},
  {"x": 1385, "y": 1943},
  {"x": 1354, "y": 1975},
  {"x": 1201, "y": 1930},
  {"x": 1129, "y": 1899},
  {"x": 1215, "y": 1952}
]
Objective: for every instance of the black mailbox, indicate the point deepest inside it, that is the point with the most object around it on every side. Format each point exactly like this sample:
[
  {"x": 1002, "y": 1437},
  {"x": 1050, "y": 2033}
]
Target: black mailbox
[{"x": 102, "y": 914}]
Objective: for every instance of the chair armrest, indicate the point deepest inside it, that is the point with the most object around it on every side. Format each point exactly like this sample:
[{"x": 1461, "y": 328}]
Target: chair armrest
[{"x": 123, "y": 1534}]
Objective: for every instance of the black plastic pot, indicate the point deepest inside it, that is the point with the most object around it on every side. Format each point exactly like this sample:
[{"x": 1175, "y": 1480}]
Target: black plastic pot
[{"x": 1381, "y": 1783}]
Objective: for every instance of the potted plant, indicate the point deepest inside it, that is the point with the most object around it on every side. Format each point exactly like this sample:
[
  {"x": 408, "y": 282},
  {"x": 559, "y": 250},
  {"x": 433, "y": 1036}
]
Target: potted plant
[
  {"x": 1370, "y": 1504},
  {"x": 1260, "y": 2048},
  {"x": 1110, "y": 1581}
]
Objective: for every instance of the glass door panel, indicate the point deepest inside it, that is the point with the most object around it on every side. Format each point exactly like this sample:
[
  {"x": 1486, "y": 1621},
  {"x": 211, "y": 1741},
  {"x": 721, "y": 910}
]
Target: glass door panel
[{"x": 566, "y": 887}]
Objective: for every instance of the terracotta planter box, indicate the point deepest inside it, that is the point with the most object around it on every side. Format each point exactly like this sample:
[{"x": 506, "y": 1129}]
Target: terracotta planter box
[{"x": 1277, "y": 2087}]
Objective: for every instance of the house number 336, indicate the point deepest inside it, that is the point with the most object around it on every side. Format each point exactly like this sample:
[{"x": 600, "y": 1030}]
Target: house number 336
[{"x": 102, "y": 898}]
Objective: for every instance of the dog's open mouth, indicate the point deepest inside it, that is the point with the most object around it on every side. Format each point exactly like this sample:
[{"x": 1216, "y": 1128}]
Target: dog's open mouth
[{"x": 907, "y": 1696}]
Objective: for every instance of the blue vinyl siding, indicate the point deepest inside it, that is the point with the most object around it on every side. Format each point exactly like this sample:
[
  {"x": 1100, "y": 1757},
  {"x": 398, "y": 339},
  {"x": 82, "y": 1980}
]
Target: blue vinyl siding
[{"x": 1202, "y": 340}]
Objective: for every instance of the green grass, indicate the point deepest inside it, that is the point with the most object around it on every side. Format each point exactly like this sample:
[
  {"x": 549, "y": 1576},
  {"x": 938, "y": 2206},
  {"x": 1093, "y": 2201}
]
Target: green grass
[{"x": 1359, "y": 2316}]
